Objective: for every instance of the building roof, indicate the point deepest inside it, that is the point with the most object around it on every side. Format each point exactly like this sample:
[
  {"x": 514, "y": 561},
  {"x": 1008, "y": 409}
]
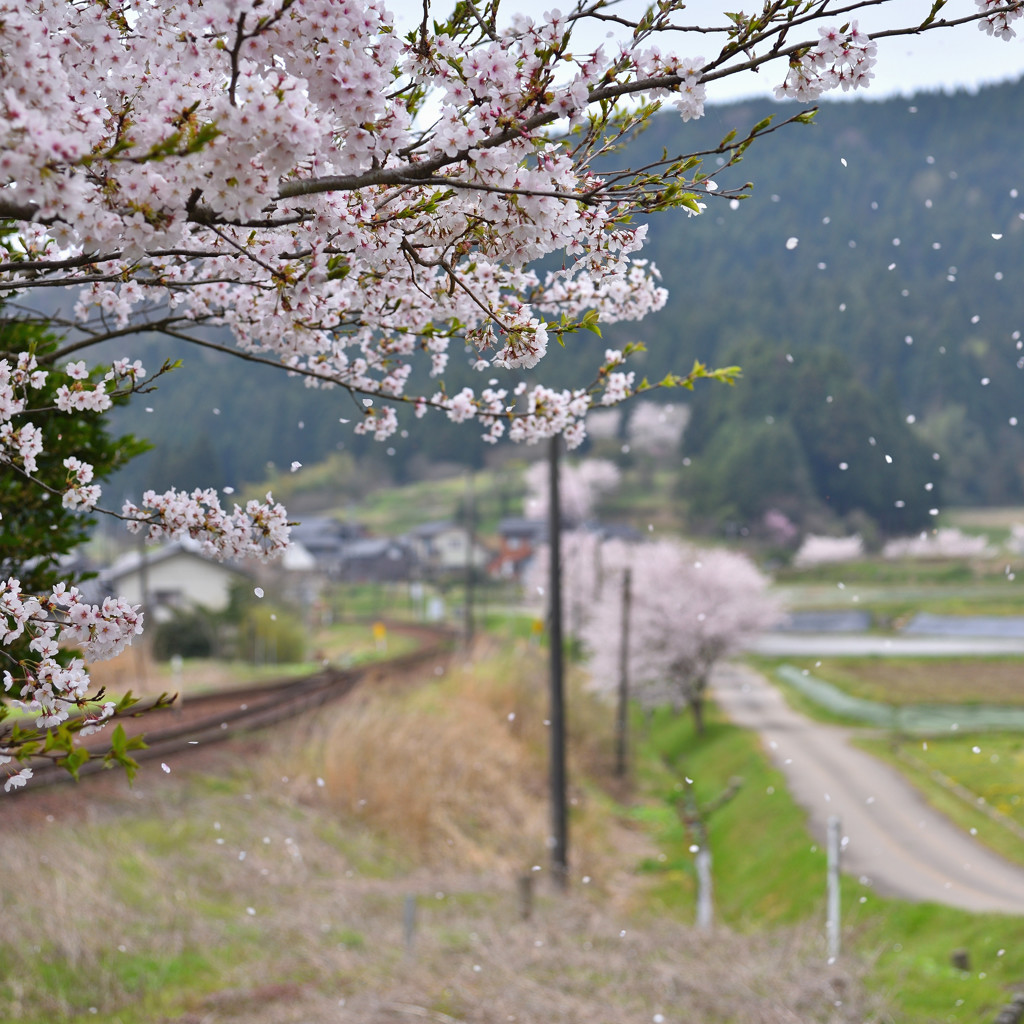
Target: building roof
[
  {"x": 433, "y": 529},
  {"x": 375, "y": 547}
]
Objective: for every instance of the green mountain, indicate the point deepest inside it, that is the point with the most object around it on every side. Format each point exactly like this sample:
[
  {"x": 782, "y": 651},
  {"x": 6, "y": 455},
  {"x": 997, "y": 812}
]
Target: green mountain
[{"x": 888, "y": 233}]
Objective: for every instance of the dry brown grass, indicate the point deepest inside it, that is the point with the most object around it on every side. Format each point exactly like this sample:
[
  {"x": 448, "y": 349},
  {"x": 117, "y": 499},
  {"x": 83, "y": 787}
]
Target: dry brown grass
[
  {"x": 238, "y": 889},
  {"x": 431, "y": 767}
]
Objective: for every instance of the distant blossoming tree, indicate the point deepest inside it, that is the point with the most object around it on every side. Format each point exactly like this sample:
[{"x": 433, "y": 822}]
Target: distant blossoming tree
[
  {"x": 947, "y": 542},
  {"x": 817, "y": 549},
  {"x": 690, "y": 608},
  {"x": 297, "y": 183},
  {"x": 656, "y": 428},
  {"x": 580, "y": 486}
]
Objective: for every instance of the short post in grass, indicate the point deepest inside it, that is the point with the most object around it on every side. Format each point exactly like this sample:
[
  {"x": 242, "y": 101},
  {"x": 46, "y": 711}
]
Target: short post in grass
[
  {"x": 694, "y": 820},
  {"x": 705, "y": 903},
  {"x": 524, "y": 894},
  {"x": 409, "y": 924},
  {"x": 833, "y": 847}
]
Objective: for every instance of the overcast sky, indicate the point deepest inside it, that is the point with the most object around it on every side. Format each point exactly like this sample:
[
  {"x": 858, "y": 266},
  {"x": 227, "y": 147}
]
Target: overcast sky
[{"x": 940, "y": 59}]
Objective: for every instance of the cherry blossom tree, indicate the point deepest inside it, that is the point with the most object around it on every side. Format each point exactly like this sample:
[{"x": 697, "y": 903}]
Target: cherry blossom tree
[
  {"x": 821, "y": 550},
  {"x": 297, "y": 183},
  {"x": 656, "y": 429},
  {"x": 690, "y": 608},
  {"x": 584, "y": 575},
  {"x": 580, "y": 486}
]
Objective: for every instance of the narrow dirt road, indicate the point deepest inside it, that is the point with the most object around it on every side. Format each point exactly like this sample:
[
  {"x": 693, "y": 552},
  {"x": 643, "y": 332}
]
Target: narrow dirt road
[{"x": 895, "y": 840}]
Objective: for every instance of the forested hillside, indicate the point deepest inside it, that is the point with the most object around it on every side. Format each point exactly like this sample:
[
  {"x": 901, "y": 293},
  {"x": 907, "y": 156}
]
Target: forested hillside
[{"x": 883, "y": 246}]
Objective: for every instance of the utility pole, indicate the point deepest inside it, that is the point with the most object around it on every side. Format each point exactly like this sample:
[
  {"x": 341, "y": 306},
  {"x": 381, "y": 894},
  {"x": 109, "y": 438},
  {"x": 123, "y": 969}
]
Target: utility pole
[
  {"x": 469, "y": 624},
  {"x": 622, "y": 709},
  {"x": 559, "y": 808}
]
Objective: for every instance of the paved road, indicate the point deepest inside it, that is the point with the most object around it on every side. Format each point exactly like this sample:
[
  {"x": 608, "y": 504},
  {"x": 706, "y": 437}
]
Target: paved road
[{"x": 895, "y": 840}]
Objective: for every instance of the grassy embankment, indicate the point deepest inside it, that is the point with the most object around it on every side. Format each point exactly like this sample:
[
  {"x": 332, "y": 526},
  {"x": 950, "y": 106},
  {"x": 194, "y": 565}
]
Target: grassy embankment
[
  {"x": 267, "y": 883},
  {"x": 766, "y": 868}
]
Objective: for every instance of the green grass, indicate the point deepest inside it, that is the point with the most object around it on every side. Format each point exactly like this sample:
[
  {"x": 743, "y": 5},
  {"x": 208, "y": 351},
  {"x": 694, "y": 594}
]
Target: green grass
[
  {"x": 892, "y": 604},
  {"x": 751, "y": 874},
  {"x": 514, "y": 625},
  {"x": 354, "y": 643},
  {"x": 988, "y": 765},
  {"x": 374, "y": 600},
  {"x": 911, "y": 947},
  {"x": 146, "y": 979},
  {"x": 768, "y": 870},
  {"x": 394, "y": 510},
  {"x": 885, "y": 571}
]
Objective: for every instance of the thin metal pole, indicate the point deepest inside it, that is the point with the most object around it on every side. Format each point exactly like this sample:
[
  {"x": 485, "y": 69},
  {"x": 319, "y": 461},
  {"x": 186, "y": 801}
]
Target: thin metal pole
[{"x": 559, "y": 810}]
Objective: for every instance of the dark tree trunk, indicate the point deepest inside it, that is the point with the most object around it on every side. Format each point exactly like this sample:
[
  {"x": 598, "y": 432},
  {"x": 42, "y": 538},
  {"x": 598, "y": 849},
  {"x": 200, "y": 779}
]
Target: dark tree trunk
[
  {"x": 696, "y": 702},
  {"x": 697, "y": 709}
]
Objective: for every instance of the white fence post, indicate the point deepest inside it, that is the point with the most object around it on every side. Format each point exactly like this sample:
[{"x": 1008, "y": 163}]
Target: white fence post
[
  {"x": 705, "y": 905},
  {"x": 832, "y": 925}
]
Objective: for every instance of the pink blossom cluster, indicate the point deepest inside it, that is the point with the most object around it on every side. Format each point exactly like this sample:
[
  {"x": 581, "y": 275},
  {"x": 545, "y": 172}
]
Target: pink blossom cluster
[
  {"x": 581, "y": 485},
  {"x": 44, "y": 687},
  {"x": 656, "y": 428},
  {"x": 202, "y": 131},
  {"x": 260, "y": 530},
  {"x": 19, "y": 444},
  {"x": 584, "y": 555},
  {"x": 344, "y": 198},
  {"x": 80, "y": 493},
  {"x": 549, "y": 413},
  {"x": 840, "y": 59},
  {"x": 821, "y": 550},
  {"x": 279, "y": 169},
  {"x": 947, "y": 542},
  {"x": 690, "y": 608}
]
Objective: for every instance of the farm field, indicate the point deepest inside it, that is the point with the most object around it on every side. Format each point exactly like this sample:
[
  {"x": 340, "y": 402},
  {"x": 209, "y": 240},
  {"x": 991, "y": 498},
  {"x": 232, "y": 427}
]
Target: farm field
[
  {"x": 914, "y": 680},
  {"x": 974, "y": 778}
]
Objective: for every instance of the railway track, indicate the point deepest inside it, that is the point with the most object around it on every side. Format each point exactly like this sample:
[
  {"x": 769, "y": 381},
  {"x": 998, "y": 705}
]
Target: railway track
[{"x": 195, "y": 722}]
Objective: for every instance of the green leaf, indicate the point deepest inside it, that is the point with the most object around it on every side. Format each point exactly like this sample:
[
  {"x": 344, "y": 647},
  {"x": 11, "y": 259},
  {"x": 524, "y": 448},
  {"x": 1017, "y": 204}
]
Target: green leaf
[{"x": 74, "y": 761}]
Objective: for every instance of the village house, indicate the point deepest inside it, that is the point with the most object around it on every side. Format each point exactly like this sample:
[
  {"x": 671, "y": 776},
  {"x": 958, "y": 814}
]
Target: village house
[
  {"x": 171, "y": 578},
  {"x": 443, "y": 549}
]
